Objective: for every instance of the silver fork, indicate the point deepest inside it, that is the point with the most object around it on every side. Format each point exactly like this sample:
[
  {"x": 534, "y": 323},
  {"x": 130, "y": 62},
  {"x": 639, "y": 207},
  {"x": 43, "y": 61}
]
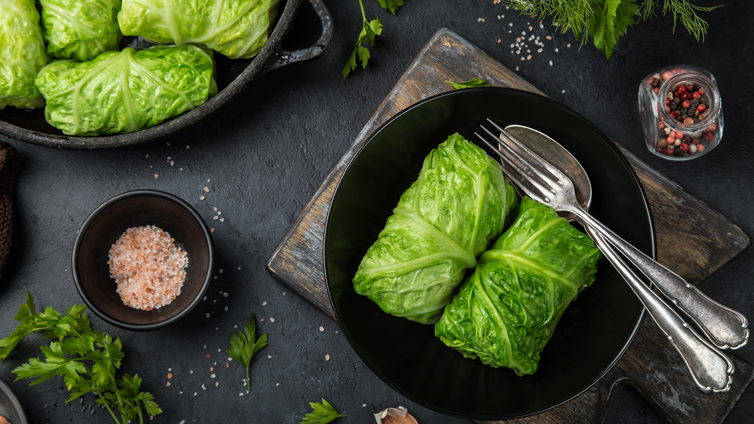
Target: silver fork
[
  {"x": 724, "y": 327},
  {"x": 709, "y": 367}
]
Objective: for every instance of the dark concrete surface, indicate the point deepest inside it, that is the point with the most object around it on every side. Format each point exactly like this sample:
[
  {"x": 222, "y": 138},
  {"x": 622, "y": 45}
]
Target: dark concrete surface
[{"x": 265, "y": 153}]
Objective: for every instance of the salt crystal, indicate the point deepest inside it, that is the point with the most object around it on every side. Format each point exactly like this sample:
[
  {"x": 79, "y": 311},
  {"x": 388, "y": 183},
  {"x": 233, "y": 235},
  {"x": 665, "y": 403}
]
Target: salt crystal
[
  {"x": 226, "y": 309},
  {"x": 156, "y": 176},
  {"x": 203, "y": 387},
  {"x": 321, "y": 328},
  {"x": 207, "y": 314},
  {"x": 206, "y": 189},
  {"x": 225, "y": 294},
  {"x": 551, "y": 63},
  {"x": 272, "y": 319},
  {"x": 212, "y": 375},
  {"x": 327, "y": 357}
]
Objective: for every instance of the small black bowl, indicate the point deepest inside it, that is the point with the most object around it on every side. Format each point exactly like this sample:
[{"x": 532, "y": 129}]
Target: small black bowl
[{"x": 91, "y": 273}]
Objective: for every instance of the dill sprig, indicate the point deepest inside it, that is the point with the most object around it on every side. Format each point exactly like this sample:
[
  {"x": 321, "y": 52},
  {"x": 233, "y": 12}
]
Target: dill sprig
[{"x": 608, "y": 20}]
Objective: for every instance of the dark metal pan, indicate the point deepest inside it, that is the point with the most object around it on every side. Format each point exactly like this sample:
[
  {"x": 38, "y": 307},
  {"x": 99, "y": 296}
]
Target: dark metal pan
[{"x": 232, "y": 77}]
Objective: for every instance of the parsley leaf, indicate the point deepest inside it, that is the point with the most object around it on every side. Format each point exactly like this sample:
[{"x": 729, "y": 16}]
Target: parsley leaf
[
  {"x": 369, "y": 31},
  {"x": 391, "y": 5},
  {"x": 86, "y": 359},
  {"x": 474, "y": 82},
  {"x": 243, "y": 346},
  {"x": 321, "y": 413}
]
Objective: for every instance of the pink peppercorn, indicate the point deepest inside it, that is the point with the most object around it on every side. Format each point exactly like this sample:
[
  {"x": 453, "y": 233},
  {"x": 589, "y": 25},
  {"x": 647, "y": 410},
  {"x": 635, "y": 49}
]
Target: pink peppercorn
[{"x": 701, "y": 107}]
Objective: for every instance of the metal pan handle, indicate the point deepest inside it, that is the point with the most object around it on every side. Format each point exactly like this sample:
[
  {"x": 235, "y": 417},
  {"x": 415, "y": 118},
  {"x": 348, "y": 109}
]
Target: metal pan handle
[{"x": 284, "y": 57}]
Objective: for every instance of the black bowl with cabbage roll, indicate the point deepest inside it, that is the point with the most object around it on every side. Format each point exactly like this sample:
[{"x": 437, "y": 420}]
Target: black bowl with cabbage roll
[
  {"x": 231, "y": 75},
  {"x": 594, "y": 331}
]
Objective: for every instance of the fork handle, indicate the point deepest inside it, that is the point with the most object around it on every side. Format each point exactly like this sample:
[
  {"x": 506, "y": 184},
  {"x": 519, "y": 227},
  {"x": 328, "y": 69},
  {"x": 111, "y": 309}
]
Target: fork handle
[
  {"x": 724, "y": 327},
  {"x": 710, "y": 368}
]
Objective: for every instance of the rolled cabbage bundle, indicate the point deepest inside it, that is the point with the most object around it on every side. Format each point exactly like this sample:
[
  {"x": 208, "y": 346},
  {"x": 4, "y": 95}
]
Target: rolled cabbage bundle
[
  {"x": 22, "y": 54},
  {"x": 508, "y": 309},
  {"x": 126, "y": 91},
  {"x": 80, "y": 29},
  {"x": 234, "y": 28},
  {"x": 446, "y": 219}
]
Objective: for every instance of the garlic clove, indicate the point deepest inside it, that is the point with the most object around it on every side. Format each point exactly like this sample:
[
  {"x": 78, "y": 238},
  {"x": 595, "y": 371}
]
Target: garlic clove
[{"x": 397, "y": 415}]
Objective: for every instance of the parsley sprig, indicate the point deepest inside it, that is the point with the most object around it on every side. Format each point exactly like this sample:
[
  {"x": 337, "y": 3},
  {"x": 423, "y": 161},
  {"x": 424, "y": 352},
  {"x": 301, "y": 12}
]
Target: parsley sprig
[
  {"x": 244, "y": 344},
  {"x": 322, "y": 413},
  {"x": 86, "y": 359},
  {"x": 369, "y": 31}
]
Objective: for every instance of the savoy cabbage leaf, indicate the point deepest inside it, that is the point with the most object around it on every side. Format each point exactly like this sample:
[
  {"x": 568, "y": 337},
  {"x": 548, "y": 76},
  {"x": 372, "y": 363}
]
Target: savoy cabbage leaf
[
  {"x": 126, "y": 91},
  {"x": 237, "y": 29},
  {"x": 22, "y": 54},
  {"x": 80, "y": 30},
  {"x": 507, "y": 310},
  {"x": 447, "y": 218}
]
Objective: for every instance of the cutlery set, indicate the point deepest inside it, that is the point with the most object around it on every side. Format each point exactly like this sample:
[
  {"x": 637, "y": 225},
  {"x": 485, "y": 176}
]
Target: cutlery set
[{"x": 559, "y": 181}]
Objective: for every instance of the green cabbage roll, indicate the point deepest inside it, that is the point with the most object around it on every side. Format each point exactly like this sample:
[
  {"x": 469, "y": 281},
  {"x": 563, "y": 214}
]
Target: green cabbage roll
[
  {"x": 234, "y": 28},
  {"x": 126, "y": 91},
  {"x": 442, "y": 223},
  {"x": 80, "y": 29},
  {"x": 22, "y": 54},
  {"x": 507, "y": 310}
]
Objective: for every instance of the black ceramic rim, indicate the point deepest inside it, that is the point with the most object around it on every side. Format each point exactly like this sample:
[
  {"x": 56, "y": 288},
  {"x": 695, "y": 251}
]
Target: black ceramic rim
[
  {"x": 14, "y": 403},
  {"x": 268, "y": 54},
  {"x": 142, "y": 327},
  {"x": 632, "y": 175}
]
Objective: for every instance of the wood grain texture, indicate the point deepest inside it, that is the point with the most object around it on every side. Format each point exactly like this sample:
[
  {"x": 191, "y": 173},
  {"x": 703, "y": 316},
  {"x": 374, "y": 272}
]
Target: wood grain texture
[{"x": 692, "y": 238}]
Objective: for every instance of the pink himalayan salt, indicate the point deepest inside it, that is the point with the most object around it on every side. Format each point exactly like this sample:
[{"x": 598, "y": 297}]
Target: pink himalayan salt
[{"x": 148, "y": 267}]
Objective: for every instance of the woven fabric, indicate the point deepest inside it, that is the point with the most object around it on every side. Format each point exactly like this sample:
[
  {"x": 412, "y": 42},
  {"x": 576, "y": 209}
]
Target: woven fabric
[{"x": 8, "y": 169}]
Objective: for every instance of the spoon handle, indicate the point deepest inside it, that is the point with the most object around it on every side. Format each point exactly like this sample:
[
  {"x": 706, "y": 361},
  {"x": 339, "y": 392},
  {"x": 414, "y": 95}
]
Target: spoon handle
[
  {"x": 710, "y": 368},
  {"x": 724, "y": 327}
]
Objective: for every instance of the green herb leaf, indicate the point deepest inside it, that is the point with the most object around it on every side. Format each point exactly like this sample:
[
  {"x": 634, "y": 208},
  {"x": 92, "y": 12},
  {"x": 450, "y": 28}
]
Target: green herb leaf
[
  {"x": 243, "y": 346},
  {"x": 474, "y": 82},
  {"x": 369, "y": 31},
  {"x": 321, "y": 413},
  {"x": 391, "y": 5},
  {"x": 69, "y": 357}
]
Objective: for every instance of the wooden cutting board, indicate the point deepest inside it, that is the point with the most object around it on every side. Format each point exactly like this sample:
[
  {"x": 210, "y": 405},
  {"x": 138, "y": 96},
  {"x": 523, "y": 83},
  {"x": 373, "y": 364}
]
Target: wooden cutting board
[{"x": 696, "y": 248}]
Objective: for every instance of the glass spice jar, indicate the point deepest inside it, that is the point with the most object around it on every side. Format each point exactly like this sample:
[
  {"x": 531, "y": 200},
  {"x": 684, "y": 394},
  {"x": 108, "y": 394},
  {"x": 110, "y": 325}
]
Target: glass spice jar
[{"x": 681, "y": 112}]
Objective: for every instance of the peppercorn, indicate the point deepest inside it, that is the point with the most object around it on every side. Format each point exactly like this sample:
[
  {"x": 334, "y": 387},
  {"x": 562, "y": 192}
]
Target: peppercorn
[
  {"x": 694, "y": 102},
  {"x": 662, "y": 144},
  {"x": 704, "y": 99}
]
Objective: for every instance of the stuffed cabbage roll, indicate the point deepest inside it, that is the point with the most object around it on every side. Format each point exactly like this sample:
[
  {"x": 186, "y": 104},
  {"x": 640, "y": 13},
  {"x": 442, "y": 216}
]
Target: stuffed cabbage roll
[
  {"x": 22, "y": 54},
  {"x": 234, "y": 28},
  {"x": 447, "y": 218},
  {"x": 80, "y": 29},
  {"x": 126, "y": 91},
  {"x": 507, "y": 310}
]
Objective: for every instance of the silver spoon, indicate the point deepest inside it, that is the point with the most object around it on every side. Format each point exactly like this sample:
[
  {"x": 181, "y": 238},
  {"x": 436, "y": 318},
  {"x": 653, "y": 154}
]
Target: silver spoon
[{"x": 710, "y": 368}]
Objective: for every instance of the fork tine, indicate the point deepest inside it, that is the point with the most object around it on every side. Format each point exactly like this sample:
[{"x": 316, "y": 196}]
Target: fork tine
[
  {"x": 525, "y": 169},
  {"x": 560, "y": 176},
  {"x": 528, "y": 164},
  {"x": 536, "y": 192}
]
